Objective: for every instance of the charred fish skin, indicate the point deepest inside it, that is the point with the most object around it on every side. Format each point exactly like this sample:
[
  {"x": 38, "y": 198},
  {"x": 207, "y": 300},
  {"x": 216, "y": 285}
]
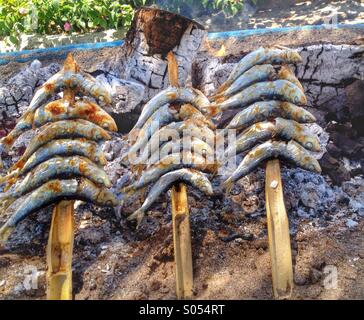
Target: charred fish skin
[
  {"x": 190, "y": 176},
  {"x": 82, "y": 109},
  {"x": 282, "y": 89},
  {"x": 64, "y": 129},
  {"x": 291, "y": 151},
  {"x": 81, "y": 147},
  {"x": 172, "y": 162},
  {"x": 59, "y": 167},
  {"x": 262, "y": 110},
  {"x": 52, "y": 192},
  {"x": 260, "y": 56},
  {"x": 277, "y": 128},
  {"x": 169, "y": 96}
]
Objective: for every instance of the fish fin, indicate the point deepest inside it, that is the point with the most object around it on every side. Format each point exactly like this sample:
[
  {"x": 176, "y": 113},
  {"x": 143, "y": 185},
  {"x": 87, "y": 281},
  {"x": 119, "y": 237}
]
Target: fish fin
[
  {"x": 5, "y": 232},
  {"x": 228, "y": 185},
  {"x": 138, "y": 216}
]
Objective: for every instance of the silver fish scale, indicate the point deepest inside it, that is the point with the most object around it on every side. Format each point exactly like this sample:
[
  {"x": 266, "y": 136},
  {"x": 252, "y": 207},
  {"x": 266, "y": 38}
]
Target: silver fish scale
[
  {"x": 253, "y": 119},
  {"x": 67, "y": 150}
]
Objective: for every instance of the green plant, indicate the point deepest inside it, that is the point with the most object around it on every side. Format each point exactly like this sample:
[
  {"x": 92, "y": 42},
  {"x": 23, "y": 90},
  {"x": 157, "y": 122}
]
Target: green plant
[{"x": 56, "y": 16}]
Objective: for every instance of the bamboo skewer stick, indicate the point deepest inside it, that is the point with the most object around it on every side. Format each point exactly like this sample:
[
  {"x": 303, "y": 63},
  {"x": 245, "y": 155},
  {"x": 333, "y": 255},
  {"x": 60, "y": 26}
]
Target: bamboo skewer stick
[
  {"x": 61, "y": 235},
  {"x": 59, "y": 252},
  {"x": 278, "y": 232},
  {"x": 180, "y": 219}
]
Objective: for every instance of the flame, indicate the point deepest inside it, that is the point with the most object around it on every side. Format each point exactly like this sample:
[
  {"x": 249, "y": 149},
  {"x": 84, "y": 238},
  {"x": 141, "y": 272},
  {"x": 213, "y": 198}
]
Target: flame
[{"x": 221, "y": 52}]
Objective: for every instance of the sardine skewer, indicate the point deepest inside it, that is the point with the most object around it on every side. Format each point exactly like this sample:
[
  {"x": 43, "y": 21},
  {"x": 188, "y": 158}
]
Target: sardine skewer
[
  {"x": 291, "y": 151},
  {"x": 262, "y": 110},
  {"x": 55, "y": 168},
  {"x": 193, "y": 177},
  {"x": 282, "y": 89},
  {"x": 277, "y": 128},
  {"x": 51, "y": 192},
  {"x": 260, "y": 56}
]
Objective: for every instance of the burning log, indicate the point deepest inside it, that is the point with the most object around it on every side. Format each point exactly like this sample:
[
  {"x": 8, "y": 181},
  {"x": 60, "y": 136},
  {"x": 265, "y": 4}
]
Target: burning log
[{"x": 153, "y": 34}]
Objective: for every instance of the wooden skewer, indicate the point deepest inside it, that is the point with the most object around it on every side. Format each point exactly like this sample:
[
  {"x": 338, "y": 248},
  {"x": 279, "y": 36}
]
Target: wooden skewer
[
  {"x": 59, "y": 252},
  {"x": 61, "y": 235},
  {"x": 278, "y": 232},
  {"x": 180, "y": 219}
]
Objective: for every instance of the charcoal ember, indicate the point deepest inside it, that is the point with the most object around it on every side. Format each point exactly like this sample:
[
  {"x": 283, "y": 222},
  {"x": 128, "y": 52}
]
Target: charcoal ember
[
  {"x": 334, "y": 150},
  {"x": 355, "y": 98},
  {"x": 349, "y": 147},
  {"x": 334, "y": 168}
]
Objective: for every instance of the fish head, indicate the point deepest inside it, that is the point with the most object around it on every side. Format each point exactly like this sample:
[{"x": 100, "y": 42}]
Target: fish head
[
  {"x": 108, "y": 198},
  {"x": 292, "y": 56},
  {"x": 311, "y": 164},
  {"x": 203, "y": 184},
  {"x": 308, "y": 117},
  {"x": 312, "y": 143},
  {"x": 299, "y": 98}
]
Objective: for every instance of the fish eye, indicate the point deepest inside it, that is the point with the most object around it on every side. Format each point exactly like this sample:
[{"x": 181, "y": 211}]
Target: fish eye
[
  {"x": 309, "y": 145},
  {"x": 312, "y": 167}
]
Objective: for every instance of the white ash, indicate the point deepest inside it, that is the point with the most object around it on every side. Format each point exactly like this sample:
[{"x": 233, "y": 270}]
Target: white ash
[
  {"x": 126, "y": 95},
  {"x": 16, "y": 92}
]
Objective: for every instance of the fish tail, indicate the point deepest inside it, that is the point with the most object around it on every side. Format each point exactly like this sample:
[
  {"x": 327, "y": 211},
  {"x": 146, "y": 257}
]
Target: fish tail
[
  {"x": 138, "y": 216},
  {"x": 219, "y": 98},
  {"x": 5, "y": 232},
  {"x": 11, "y": 176},
  {"x": 228, "y": 185},
  {"x": 128, "y": 191},
  {"x": 223, "y": 87}
]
